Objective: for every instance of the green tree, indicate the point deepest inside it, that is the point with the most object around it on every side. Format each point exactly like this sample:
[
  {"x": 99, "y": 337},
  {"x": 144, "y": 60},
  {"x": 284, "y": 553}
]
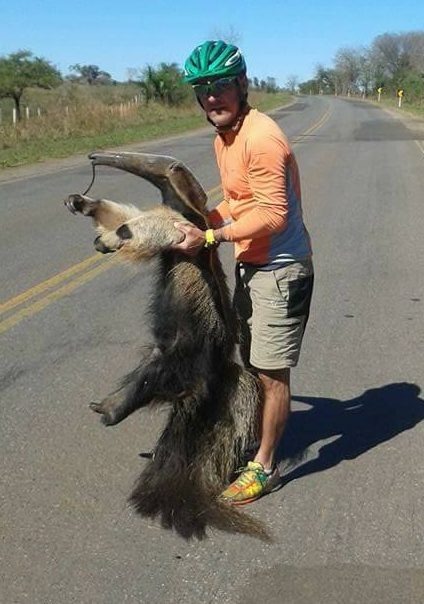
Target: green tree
[
  {"x": 392, "y": 61},
  {"x": 413, "y": 85},
  {"x": 327, "y": 81},
  {"x": 21, "y": 70},
  {"x": 348, "y": 68},
  {"x": 164, "y": 84},
  {"x": 92, "y": 74},
  {"x": 309, "y": 87},
  {"x": 271, "y": 84},
  {"x": 390, "y": 53}
]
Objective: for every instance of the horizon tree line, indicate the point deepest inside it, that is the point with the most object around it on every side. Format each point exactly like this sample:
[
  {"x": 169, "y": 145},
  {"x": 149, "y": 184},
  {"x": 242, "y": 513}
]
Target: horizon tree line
[
  {"x": 164, "y": 84},
  {"x": 393, "y": 61}
]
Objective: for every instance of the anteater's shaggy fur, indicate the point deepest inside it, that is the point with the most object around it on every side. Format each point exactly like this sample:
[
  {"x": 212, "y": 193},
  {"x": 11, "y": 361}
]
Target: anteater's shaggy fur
[{"x": 213, "y": 401}]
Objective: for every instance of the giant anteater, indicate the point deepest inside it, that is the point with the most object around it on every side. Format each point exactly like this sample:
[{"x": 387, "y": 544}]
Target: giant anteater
[{"x": 214, "y": 402}]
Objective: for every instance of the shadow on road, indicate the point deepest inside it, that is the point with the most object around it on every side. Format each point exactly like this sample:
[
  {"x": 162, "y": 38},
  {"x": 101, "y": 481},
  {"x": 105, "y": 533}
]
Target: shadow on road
[{"x": 355, "y": 426}]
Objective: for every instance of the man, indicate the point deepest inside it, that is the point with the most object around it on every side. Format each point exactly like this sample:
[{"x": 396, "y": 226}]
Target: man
[{"x": 262, "y": 214}]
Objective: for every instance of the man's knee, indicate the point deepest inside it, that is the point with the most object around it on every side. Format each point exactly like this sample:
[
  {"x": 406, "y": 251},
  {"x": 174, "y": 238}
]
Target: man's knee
[
  {"x": 274, "y": 375},
  {"x": 274, "y": 379}
]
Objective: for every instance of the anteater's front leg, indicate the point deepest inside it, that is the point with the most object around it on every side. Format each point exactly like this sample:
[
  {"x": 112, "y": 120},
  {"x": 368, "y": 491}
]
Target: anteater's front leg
[
  {"x": 117, "y": 406},
  {"x": 137, "y": 391},
  {"x": 137, "y": 235},
  {"x": 106, "y": 214},
  {"x": 162, "y": 378}
]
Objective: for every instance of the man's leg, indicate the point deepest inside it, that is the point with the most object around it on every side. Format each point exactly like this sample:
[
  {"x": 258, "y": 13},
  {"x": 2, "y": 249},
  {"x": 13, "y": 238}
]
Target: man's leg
[
  {"x": 260, "y": 476},
  {"x": 275, "y": 413},
  {"x": 276, "y": 318}
]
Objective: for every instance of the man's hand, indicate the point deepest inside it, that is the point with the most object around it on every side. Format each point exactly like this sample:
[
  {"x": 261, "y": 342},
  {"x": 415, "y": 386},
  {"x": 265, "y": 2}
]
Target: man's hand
[{"x": 193, "y": 241}]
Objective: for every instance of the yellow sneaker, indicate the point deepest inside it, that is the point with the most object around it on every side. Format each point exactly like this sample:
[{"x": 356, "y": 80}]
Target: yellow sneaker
[{"x": 252, "y": 483}]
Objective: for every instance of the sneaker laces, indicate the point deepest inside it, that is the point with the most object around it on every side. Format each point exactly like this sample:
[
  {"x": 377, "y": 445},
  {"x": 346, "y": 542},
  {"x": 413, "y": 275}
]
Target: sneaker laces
[{"x": 259, "y": 472}]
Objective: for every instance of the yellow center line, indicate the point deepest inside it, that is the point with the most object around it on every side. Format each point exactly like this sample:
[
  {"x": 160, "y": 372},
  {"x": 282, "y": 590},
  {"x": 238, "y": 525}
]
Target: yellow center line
[
  {"x": 87, "y": 273},
  {"x": 420, "y": 146},
  {"x": 55, "y": 295},
  {"x": 301, "y": 137},
  {"x": 48, "y": 284}
]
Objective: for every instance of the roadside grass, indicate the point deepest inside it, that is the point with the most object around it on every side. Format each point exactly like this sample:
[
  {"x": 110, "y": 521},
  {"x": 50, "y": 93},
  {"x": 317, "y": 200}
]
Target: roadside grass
[
  {"x": 28, "y": 147},
  {"x": 85, "y": 122},
  {"x": 416, "y": 109}
]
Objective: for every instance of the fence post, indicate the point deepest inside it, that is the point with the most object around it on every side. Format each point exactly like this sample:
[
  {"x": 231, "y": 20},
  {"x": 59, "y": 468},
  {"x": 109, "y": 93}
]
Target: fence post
[
  {"x": 14, "y": 116},
  {"x": 38, "y": 111},
  {"x": 27, "y": 112}
]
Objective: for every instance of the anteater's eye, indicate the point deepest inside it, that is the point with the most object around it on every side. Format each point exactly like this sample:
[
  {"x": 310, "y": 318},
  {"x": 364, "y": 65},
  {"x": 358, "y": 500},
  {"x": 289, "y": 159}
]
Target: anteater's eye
[{"x": 124, "y": 232}]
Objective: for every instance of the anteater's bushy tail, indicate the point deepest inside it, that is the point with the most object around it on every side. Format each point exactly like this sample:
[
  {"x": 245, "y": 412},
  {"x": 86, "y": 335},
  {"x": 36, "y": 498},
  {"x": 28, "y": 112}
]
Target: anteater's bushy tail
[
  {"x": 204, "y": 441},
  {"x": 184, "y": 504}
]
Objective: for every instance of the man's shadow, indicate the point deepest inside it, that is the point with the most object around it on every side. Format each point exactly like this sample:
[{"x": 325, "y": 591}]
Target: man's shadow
[{"x": 355, "y": 426}]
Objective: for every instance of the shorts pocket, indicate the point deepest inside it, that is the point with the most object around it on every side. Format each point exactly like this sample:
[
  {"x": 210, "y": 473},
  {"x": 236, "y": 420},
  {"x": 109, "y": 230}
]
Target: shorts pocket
[
  {"x": 299, "y": 296},
  {"x": 281, "y": 287}
]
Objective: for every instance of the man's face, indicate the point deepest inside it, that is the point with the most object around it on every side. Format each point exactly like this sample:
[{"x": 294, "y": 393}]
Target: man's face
[{"x": 221, "y": 102}]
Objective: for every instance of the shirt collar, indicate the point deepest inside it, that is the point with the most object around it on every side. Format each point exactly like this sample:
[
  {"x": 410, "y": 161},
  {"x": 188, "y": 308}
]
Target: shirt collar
[{"x": 229, "y": 132}]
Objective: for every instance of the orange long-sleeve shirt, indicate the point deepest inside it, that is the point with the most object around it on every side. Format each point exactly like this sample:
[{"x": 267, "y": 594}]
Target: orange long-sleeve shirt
[{"x": 262, "y": 197}]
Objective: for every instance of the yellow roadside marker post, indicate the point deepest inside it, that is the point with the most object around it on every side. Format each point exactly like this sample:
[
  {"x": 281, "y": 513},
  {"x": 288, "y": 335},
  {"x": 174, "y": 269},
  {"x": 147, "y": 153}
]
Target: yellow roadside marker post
[
  {"x": 400, "y": 96},
  {"x": 379, "y": 90}
]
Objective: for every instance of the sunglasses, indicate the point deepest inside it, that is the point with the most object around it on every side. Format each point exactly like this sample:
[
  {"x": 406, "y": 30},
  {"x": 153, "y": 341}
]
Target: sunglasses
[{"x": 214, "y": 87}]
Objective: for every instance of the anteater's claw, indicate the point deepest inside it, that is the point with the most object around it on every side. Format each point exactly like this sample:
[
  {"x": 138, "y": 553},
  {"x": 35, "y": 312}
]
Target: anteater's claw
[
  {"x": 74, "y": 203},
  {"x": 108, "y": 419}
]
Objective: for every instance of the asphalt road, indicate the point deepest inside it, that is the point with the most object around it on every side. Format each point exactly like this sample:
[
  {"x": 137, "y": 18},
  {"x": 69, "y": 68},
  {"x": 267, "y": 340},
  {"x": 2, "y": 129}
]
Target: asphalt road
[{"x": 348, "y": 524}]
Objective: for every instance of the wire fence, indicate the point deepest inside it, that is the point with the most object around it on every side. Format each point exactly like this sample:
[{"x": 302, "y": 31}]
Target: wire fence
[{"x": 9, "y": 116}]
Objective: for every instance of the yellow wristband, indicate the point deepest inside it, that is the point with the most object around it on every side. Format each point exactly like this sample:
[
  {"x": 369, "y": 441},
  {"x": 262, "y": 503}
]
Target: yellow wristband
[{"x": 210, "y": 238}]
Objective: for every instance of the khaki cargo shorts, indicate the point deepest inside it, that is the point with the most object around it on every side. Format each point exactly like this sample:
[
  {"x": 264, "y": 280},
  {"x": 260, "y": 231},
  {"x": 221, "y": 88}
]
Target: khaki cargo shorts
[{"x": 274, "y": 308}]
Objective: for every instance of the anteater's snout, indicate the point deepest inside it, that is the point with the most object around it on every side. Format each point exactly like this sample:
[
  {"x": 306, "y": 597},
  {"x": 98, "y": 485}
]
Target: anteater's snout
[{"x": 99, "y": 246}]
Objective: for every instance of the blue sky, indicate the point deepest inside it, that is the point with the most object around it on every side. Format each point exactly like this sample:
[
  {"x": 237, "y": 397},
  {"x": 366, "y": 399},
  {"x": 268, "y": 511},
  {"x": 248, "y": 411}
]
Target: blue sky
[{"x": 278, "y": 38}]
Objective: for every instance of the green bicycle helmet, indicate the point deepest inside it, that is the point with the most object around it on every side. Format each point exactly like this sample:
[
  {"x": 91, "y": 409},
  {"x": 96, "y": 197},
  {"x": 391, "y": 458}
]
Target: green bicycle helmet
[{"x": 214, "y": 59}]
